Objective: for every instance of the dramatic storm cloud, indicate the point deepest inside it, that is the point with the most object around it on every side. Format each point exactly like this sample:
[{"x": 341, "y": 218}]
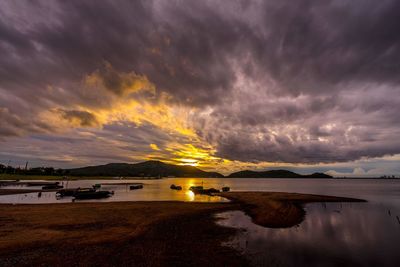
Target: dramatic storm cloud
[{"x": 223, "y": 85}]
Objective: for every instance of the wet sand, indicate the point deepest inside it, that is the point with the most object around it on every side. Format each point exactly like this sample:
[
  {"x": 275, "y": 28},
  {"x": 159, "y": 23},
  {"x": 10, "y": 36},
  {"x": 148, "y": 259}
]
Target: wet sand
[{"x": 134, "y": 233}]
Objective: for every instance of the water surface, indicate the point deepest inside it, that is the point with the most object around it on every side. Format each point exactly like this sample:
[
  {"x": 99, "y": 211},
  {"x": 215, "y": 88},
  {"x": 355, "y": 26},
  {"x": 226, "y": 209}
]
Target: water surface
[
  {"x": 332, "y": 234},
  {"x": 386, "y": 192}
]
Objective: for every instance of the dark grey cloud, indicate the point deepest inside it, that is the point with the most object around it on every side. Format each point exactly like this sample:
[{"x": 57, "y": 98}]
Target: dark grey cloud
[
  {"x": 304, "y": 82},
  {"x": 304, "y": 46},
  {"x": 84, "y": 118}
]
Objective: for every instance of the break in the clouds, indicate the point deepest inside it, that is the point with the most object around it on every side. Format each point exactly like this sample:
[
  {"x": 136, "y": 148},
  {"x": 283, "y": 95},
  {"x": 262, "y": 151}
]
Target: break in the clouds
[{"x": 220, "y": 84}]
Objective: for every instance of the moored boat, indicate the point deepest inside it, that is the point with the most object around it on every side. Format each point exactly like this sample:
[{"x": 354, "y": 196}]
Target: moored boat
[
  {"x": 203, "y": 191},
  {"x": 176, "y": 187},
  {"x": 96, "y": 186},
  {"x": 35, "y": 183},
  {"x": 135, "y": 186},
  {"x": 226, "y": 189},
  {"x": 52, "y": 186},
  {"x": 93, "y": 195},
  {"x": 72, "y": 192}
]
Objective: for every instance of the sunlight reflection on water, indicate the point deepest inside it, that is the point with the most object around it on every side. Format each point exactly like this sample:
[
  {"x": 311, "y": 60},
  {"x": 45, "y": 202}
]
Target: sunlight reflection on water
[
  {"x": 153, "y": 190},
  {"x": 380, "y": 191}
]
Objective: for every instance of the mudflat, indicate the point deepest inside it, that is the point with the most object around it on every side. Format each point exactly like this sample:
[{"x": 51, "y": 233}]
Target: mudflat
[{"x": 279, "y": 209}]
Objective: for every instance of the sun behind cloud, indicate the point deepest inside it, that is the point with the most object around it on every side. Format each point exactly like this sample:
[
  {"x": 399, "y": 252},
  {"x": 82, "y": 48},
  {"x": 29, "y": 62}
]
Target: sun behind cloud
[{"x": 154, "y": 147}]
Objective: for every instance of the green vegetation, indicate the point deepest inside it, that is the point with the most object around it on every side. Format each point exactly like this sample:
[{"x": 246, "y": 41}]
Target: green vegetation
[
  {"x": 7, "y": 176},
  {"x": 48, "y": 172}
]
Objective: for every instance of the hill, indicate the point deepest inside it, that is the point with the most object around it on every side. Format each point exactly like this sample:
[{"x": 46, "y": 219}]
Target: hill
[
  {"x": 275, "y": 174},
  {"x": 154, "y": 168},
  {"x": 143, "y": 169}
]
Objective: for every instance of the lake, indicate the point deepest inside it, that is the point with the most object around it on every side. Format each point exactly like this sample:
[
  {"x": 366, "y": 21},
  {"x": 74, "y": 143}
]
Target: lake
[
  {"x": 332, "y": 234},
  {"x": 386, "y": 192}
]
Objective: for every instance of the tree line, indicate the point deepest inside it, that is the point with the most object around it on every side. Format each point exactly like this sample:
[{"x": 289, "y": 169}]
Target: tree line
[{"x": 32, "y": 171}]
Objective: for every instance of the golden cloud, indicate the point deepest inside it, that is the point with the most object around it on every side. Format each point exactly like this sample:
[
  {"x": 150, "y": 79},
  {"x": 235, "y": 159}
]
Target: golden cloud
[{"x": 133, "y": 98}]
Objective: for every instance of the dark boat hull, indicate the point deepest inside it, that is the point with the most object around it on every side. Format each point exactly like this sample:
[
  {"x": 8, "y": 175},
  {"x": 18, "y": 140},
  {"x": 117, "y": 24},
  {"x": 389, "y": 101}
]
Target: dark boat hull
[
  {"x": 134, "y": 187},
  {"x": 176, "y": 187},
  {"x": 93, "y": 195},
  {"x": 201, "y": 191},
  {"x": 47, "y": 187},
  {"x": 72, "y": 192}
]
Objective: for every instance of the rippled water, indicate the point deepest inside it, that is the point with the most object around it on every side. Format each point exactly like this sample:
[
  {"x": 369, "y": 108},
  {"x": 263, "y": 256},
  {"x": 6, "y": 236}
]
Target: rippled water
[
  {"x": 332, "y": 234},
  {"x": 153, "y": 190}
]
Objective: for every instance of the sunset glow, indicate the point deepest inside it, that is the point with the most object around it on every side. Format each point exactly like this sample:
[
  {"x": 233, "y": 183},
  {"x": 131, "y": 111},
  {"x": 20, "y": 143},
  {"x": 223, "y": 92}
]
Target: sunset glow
[{"x": 186, "y": 96}]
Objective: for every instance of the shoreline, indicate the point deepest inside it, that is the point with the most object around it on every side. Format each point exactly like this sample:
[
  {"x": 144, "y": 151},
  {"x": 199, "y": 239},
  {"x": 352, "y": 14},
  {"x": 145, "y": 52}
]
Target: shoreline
[
  {"x": 5, "y": 177},
  {"x": 279, "y": 209},
  {"x": 5, "y": 192},
  {"x": 154, "y": 233}
]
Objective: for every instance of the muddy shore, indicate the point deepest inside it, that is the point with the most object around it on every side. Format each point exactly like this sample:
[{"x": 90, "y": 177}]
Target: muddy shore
[{"x": 137, "y": 233}]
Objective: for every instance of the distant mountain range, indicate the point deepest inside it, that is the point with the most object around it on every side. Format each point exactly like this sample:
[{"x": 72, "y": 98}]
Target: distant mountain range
[
  {"x": 159, "y": 169},
  {"x": 276, "y": 174},
  {"x": 150, "y": 168}
]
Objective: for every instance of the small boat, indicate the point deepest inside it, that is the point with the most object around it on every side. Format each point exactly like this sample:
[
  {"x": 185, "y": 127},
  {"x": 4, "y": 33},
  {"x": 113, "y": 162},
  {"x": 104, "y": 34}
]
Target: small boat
[
  {"x": 176, "y": 187},
  {"x": 41, "y": 183},
  {"x": 196, "y": 188},
  {"x": 8, "y": 182},
  {"x": 65, "y": 193},
  {"x": 96, "y": 186},
  {"x": 52, "y": 186},
  {"x": 72, "y": 192},
  {"x": 226, "y": 189},
  {"x": 92, "y": 195},
  {"x": 135, "y": 186},
  {"x": 202, "y": 191}
]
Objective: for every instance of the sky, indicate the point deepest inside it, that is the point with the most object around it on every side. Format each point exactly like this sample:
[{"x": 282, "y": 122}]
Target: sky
[{"x": 304, "y": 85}]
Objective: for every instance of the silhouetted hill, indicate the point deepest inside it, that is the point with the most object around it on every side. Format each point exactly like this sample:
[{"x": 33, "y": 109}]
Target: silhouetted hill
[
  {"x": 317, "y": 175},
  {"x": 275, "y": 174},
  {"x": 157, "y": 168},
  {"x": 142, "y": 169}
]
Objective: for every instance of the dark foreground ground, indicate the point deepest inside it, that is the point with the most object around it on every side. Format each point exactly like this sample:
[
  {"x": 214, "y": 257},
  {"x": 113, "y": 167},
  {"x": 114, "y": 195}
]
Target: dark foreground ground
[{"x": 137, "y": 233}]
